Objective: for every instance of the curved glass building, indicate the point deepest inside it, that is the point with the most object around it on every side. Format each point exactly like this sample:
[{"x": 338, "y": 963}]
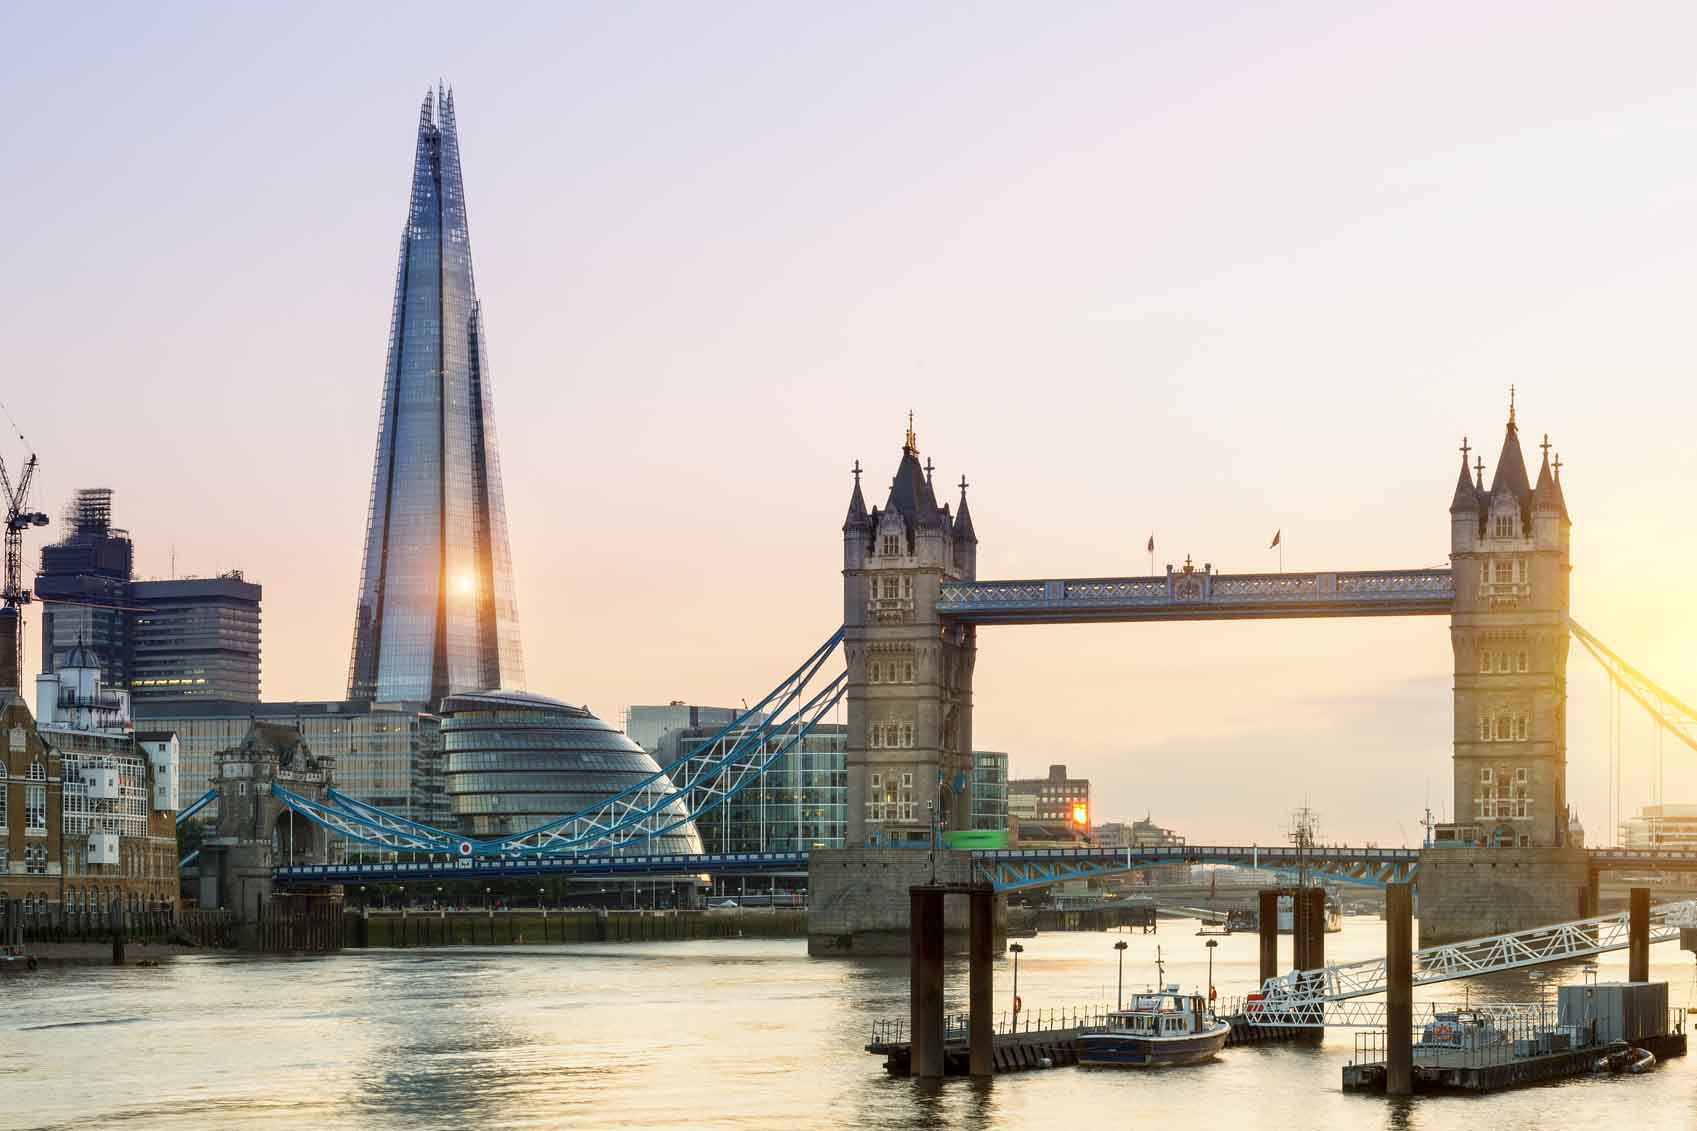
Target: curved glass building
[{"x": 514, "y": 760}]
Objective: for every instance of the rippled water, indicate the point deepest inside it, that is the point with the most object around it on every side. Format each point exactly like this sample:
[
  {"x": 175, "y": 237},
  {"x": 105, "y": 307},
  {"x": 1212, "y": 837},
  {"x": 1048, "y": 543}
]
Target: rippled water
[{"x": 698, "y": 1034}]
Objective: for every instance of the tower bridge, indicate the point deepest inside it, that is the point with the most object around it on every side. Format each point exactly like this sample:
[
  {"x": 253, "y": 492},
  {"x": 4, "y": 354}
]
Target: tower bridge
[{"x": 913, "y": 605}]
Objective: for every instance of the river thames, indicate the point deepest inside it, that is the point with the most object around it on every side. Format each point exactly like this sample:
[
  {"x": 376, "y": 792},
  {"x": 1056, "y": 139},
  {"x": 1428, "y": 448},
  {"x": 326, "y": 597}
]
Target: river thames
[{"x": 723, "y": 1034}]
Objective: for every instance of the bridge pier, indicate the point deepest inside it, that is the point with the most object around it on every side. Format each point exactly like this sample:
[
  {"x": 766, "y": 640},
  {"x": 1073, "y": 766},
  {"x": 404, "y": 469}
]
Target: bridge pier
[
  {"x": 1308, "y": 927},
  {"x": 1469, "y": 893},
  {"x": 858, "y": 900}
]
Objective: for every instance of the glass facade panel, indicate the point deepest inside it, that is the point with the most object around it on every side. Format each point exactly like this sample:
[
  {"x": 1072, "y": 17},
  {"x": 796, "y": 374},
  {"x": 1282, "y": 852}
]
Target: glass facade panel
[
  {"x": 436, "y": 613},
  {"x": 799, "y": 803}
]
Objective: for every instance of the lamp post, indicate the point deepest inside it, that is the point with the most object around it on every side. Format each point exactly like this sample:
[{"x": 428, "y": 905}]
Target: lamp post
[
  {"x": 1211, "y": 944},
  {"x": 1017, "y": 950},
  {"x": 540, "y": 892},
  {"x": 1119, "y": 991}
]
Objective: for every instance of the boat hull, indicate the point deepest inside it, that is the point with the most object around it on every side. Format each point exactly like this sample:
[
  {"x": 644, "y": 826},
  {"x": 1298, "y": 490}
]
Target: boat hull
[{"x": 1116, "y": 1050}]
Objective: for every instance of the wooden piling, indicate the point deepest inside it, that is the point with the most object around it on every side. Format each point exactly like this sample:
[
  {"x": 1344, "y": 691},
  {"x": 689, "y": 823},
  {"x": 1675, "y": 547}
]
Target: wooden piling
[
  {"x": 926, "y": 975},
  {"x": 1268, "y": 929},
  {"x": 1638, "y": 936},
  {"x": 981, "y": 1035},
  {"x": 1399, "y": 990}
]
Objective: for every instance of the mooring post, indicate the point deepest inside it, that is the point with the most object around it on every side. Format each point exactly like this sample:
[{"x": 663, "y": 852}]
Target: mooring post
[
  {"x": 1638, "y": 936},
  {"x": 1316, "y": 916},
  {"x": 117, "y": 915},
  {"x": 926, "y": 978},
  {"x": 980, "y": 1023},
  {"x": 1593, "y": 900},
  {"x": 1399, "y": 990},
  {"x": 1267, "y": 926}
]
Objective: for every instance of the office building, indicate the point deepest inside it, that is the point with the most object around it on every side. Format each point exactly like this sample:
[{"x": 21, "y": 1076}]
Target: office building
[
  {"x": 648, "y": 726},
  {"x": 386, "y": 756},
  {"x": 516, "y": 760},
  {"x": 185, "y": 638},
  {"x": 1660, "y": 827},
  {"x": 989, "y": 790},
  {"x": 1051, "y": 799},
  {"x": 436, "y": 613},
  {"x": 195, "y": 638},
  {"x": 799, "y": 803}
]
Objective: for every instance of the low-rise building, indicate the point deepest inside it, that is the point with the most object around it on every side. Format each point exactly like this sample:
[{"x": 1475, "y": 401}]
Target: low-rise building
[
  {"x": 87, "y": 807},
  {"x": 1057, "y": 797}
]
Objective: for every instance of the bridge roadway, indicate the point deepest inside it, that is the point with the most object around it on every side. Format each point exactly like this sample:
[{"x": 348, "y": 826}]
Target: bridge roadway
[
  {"x": 1008, "y": 869},
  {"x": 1191, "y": 594}
]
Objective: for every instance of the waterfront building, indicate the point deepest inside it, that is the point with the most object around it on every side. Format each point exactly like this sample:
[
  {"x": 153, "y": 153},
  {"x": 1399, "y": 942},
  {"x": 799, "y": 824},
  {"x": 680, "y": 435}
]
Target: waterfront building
[
  {"x": 436, "y": 613},
  {"x": 1669, "y": 827},
  {"x": 989, "y": 790},
  {"x": 83, "y": 587},
  {"x": 1143, "y": 834},
  {"x": 388, "y": 756},
  {"x": 799, "y": 804},
  {"x": 195, "y": 638},
  {"x": 648, "y": 725},
  {"x": 1057, "y": 797},
  {"x": 87, "y": 807},
  {"x": 514, "y": 760}
]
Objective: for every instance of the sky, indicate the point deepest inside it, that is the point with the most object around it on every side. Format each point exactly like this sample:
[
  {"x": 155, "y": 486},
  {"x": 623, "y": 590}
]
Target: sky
[{"x": 1197, "y": 271}]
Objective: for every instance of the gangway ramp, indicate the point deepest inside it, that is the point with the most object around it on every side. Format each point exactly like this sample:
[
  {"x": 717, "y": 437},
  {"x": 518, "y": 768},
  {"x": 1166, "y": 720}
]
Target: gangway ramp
[{"x": 1322, "y": 996}]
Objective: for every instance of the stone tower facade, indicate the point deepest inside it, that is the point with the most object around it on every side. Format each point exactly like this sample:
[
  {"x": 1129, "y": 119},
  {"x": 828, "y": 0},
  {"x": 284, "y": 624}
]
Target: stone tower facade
[
  {"x": 909, "y": 672},
  {"x": 1509, "y": 553}
]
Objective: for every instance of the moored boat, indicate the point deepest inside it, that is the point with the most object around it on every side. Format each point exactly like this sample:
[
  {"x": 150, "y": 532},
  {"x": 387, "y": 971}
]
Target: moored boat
[{"x": 1158, "y": 1029}]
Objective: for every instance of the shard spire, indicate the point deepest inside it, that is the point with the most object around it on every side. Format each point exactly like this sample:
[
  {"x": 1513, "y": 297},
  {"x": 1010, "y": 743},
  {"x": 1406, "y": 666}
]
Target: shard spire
[{"x": 437, "y": 612}]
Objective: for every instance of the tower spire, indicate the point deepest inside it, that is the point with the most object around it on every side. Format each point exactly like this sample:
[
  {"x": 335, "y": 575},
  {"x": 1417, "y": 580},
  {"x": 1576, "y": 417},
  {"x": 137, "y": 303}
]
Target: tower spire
[{"x": 911, "y": 444}]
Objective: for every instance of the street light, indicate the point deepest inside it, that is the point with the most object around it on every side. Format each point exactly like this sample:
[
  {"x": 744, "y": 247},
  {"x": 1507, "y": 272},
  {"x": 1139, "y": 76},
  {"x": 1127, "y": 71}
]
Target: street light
[
  {"x": 1119, "y": 992},
  {"x": 1017, "y": 951},
  {"x": 1211, "y": 944}
]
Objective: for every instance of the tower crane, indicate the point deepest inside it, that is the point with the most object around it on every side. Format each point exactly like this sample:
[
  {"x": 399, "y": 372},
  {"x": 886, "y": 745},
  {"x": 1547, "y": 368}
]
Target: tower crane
[{"x": 19, "y": 518}]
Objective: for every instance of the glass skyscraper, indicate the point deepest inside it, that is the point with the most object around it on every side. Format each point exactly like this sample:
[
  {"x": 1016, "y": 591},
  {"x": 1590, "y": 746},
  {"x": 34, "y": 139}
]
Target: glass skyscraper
[{"x": 437, "y": 613}]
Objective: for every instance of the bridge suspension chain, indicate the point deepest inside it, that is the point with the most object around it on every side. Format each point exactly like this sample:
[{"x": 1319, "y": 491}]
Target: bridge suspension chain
[{"x": 1665, "y": 707}]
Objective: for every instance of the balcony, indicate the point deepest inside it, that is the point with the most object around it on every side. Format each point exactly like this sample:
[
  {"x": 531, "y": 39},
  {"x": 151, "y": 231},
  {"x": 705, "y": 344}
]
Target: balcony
[{"x": 891, "y": 610}]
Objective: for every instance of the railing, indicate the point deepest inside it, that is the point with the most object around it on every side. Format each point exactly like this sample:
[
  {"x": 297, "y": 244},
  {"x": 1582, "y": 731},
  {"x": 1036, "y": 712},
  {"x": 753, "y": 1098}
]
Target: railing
[{"x": 957, "y": 1026}]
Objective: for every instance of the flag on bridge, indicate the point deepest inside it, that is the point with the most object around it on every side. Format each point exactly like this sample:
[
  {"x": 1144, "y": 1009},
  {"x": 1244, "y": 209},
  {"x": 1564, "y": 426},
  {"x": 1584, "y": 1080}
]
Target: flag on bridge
[
  {"x": 1276, "y": 534},
  {"x": 1151, "y": 543}
]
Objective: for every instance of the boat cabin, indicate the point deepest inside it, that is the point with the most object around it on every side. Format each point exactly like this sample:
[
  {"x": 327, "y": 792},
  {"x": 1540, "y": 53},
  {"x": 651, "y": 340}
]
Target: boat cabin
[{"x": 1165, "y": 1014}]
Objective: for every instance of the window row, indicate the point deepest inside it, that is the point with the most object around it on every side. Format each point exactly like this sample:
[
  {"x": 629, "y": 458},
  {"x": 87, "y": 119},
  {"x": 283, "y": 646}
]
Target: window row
[
  {"x": 1490, "y": 808},
  {"x": 1504, "y": 727},
  {"x": 1488, "y": 776},
  {"x": 1504, "y": 662},
  {"x": 889, "y": 811},
  {"x": 890, "y": 736},
  {"x": 889, "y": 671},
  {"x": 890, "y": 588}
]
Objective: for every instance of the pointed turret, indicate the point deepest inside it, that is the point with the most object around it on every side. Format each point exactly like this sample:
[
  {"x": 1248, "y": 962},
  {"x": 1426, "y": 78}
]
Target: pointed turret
[
  {"x": 1510, "y": 475},
  {"x": 963, "y": 518},
  {"x": 1544, "y": 493},
  {"x": 857, "y": 518},
  {"x": 1466, "y": 498}
]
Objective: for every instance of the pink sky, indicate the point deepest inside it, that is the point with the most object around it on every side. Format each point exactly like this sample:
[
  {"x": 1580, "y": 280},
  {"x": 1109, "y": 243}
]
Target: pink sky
[{"x": 1202, "y": 273}]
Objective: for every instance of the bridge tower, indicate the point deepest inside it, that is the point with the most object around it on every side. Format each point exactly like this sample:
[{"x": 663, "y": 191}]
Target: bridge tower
[
  {"x": 1505, "y": 862},
  {"x": 255, "y": 831},
  {"x": 909, "y": 747},
  {"x": 1509, "y": 554}
]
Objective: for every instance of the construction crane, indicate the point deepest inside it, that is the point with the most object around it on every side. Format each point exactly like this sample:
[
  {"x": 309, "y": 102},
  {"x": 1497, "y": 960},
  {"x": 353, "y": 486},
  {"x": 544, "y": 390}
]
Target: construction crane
[{"x": 18, "y": 519}]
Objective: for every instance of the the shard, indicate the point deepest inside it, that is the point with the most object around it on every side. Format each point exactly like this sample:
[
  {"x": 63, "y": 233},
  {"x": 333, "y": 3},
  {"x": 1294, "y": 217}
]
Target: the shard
[{"x": 437, "y": 613}]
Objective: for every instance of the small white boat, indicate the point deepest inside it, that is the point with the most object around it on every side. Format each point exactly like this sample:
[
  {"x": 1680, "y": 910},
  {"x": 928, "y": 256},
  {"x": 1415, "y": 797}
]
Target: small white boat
[{"x": 1157, "y": 1029}]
